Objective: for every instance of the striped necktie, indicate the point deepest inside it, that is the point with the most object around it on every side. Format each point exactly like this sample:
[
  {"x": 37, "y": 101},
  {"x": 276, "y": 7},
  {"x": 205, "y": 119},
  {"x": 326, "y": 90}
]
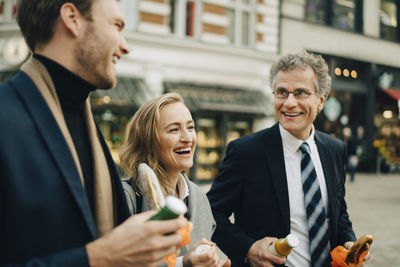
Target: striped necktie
[{"x": 316, "y": 216}]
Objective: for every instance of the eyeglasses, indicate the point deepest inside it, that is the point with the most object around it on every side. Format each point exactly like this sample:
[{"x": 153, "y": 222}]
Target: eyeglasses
[{"x": 299, "y": 94}]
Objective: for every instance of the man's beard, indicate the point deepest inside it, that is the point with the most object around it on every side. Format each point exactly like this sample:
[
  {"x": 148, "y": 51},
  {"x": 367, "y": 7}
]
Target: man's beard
[{"x": 93, "y": 61}]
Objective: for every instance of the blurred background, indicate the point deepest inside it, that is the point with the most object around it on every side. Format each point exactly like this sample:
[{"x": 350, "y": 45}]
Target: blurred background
[{"x": 217, "y": 55}]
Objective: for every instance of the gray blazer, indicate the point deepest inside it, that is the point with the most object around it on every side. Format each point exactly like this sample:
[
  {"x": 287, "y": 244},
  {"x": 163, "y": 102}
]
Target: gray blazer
[{"x": 199, "y": 211}]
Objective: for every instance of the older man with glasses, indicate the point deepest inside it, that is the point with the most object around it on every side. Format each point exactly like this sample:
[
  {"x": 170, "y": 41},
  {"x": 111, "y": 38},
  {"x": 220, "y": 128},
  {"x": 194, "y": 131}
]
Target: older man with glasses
[{"x": 285, "y": 179}]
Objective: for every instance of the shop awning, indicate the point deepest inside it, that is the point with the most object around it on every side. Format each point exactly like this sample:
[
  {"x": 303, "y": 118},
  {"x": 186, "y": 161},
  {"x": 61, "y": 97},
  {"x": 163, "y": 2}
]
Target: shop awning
[
  {"x": 129, "y": 94},
  {"x": 394, "y": 93},
  {"x": 201, "y": 97}
]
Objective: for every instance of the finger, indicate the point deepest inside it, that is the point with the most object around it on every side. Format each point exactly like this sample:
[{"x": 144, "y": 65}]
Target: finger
[
  {"x": 155, "y": 247},
  {"x": 142, "y": 217},
  {"x": 151, "y": 263},
  {"x": 348, "y": 244},
  {"x": 167, "y": 226},
  {"x": 273, "y": 258},
  {"x": 157, "y": 264},
  {"x": 227, "y": 263},
  {"x": 367, "y": 257},
  {"x": 190, "y": 225},
  {"x": 163, "y": 241},
  {"x": 278, "y": 260},
  {"x": 143, "y": 263},
  {"x": 204, "y": 257},
  {"x": 215, "y": 259},
  {"x": 269, "y": 240},
  {"x": 205, "y": 241},
  {"x": 209, "y": 258},
  {"x": 152, "y": 256},
  {"x": 212, "y": 261}
]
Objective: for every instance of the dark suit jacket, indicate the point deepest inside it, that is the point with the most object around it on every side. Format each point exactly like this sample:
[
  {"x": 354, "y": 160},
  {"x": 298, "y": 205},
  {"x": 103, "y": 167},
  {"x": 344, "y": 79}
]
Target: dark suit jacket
[
  {"x": 252, "y": 184},
  {"x": 45, "y": 217}
]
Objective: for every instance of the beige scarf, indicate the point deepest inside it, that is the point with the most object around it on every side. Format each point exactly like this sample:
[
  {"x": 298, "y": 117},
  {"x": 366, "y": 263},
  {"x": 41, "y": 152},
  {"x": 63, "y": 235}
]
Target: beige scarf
[{"x": 104, "y": 210}]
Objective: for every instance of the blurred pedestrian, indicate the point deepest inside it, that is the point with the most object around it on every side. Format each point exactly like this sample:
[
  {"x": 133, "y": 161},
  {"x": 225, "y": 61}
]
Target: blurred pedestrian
[
  {"x": 361, "y": 149},
  {"x": 351, "y": 152}
]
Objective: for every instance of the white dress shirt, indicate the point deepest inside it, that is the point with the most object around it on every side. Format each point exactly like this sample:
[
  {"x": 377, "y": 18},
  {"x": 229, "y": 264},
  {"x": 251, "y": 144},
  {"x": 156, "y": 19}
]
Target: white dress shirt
[{"x": 300, "y": 256}]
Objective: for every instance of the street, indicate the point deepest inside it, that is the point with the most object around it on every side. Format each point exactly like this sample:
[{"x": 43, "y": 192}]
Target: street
[{"x": 374, "y": 208}]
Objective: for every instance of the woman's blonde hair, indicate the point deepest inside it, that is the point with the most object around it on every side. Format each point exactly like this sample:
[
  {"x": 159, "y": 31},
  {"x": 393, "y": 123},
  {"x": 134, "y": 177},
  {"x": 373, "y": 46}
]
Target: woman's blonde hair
[{"x": 143, "y": 143}]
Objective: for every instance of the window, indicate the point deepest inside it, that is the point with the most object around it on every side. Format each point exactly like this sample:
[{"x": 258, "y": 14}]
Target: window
[
  {"x": 14, "y": 9},
  {"x": 342, "y": 14},
  {"x": 208, "y": 153},
  {"x": 316, "y": 11},
  {"x": 190, "y": 15},
  {"x": 231, "y": 19},
  {"x": 182, "y": 17},
  {"x": 389, "y": 18},
  {"x": 214, "y": 133},
  {"x": 2, "y": 5},
  {"x": 245, "y": 28},
  {"x": 241, "y": 16},
  {"x": 8, "y": 11},
  {"x": 172, "y": 15},
  {"x": 236, "y": 129},
  {"x": 232, "y": 26}
]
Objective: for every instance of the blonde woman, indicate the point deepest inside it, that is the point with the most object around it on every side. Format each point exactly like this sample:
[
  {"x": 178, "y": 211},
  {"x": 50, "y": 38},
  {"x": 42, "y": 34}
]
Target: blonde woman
[{"x": 162, "y": 135}]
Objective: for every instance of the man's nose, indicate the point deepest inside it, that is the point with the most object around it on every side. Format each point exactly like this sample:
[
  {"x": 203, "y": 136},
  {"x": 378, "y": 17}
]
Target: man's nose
[
  {"x": 291, "y": 100},
  {"x": 124, "y": 46}
]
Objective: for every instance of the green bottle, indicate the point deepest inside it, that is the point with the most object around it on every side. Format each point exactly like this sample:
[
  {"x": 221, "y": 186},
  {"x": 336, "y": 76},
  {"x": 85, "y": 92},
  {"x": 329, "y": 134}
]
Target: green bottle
[{"x": 172, "y": 209}]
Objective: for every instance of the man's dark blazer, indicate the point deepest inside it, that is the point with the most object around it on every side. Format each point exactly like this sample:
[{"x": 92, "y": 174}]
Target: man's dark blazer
[
  {"x": 45, "y": 216},
  {"x": 252, "y": 184}
]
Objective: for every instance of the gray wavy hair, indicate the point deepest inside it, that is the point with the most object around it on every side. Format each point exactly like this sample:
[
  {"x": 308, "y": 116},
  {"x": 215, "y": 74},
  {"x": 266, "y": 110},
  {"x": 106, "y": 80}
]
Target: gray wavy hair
[{"x": 302, "y": 60}]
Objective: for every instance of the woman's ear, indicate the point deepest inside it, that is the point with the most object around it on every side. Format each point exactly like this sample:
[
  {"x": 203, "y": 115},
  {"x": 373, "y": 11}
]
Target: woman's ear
[{"x": 71, "y": 18}]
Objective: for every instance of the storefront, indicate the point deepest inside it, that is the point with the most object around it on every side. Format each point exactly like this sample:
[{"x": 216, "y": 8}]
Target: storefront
[
  {"x": 387, "y": 119},
  {"x": 351, "y": 105},
  {"x": 365, "y": 98},
  {"x": 112, "y": 109}
]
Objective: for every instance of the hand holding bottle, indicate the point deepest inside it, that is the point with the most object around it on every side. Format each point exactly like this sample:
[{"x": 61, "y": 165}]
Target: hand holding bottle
[{"x": 283, "y": 246}]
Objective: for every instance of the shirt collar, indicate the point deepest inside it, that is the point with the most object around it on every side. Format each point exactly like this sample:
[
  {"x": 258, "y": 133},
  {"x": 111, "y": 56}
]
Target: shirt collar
[
  {"x": 72, "y": 90},
  {"x": 292, "y": 143},
  {"x": 182, "y": 187}
]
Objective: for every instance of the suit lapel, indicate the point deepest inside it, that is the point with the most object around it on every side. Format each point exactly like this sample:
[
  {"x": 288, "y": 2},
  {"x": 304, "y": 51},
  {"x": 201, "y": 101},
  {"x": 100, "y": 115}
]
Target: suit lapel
[
  {"x": 55, "y": 142},
  {"x": 327, "y": 162},
  {"x": 276, "y": 163}
]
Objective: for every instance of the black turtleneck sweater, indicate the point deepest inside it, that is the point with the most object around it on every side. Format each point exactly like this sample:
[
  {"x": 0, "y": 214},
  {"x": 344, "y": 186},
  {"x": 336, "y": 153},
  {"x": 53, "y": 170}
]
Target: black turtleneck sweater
[{"x": 72, "y": 93}]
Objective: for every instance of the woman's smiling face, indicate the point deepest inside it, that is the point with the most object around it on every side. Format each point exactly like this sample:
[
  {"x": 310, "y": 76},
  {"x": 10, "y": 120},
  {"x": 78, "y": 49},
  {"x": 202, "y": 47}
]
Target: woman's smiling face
[{"x": 177, "y": 137}]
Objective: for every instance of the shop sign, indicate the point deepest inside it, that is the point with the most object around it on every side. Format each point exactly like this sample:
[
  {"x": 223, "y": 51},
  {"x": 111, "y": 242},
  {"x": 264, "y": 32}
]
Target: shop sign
[{"x": 332, "y": 108}]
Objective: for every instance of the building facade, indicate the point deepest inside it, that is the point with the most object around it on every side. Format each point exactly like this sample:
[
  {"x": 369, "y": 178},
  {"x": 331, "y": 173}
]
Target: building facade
[
  {"x": 215, "y": 53},
  {"x": 361, "y": 42}
]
